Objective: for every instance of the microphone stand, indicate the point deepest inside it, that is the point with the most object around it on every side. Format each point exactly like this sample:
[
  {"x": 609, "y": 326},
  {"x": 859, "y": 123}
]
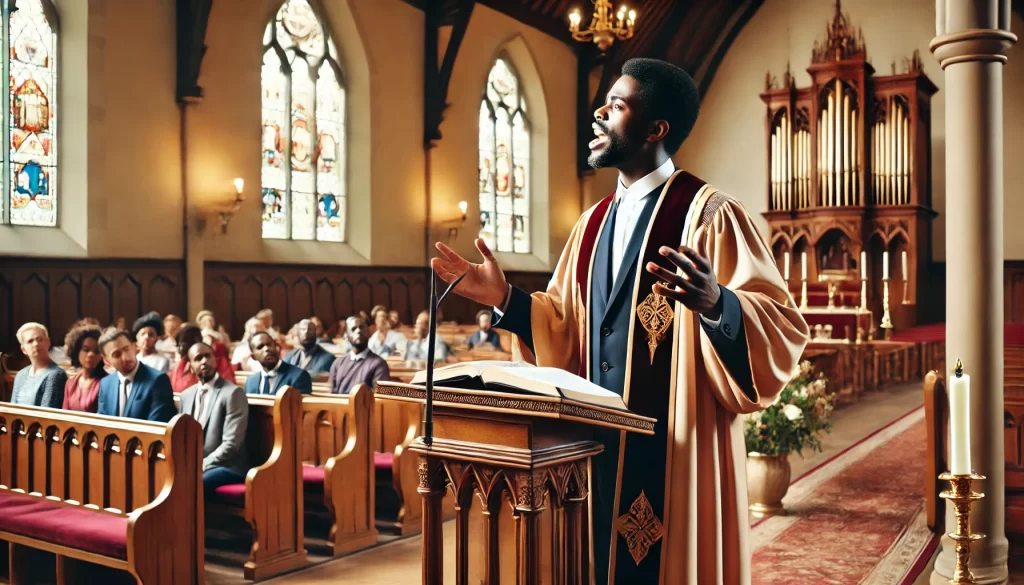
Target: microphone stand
[{"x": 428, "y": 416}]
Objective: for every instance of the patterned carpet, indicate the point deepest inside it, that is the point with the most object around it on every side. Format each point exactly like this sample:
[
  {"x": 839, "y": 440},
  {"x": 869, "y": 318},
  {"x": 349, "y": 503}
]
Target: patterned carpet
[{"x": 856, "y": 520}]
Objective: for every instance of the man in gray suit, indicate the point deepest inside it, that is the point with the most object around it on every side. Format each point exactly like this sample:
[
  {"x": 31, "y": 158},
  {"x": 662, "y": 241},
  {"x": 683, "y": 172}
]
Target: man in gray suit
[{"x": 223, "y": 411}]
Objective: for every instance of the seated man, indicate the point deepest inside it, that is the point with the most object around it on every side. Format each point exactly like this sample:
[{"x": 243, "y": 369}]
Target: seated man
[
  {"x": 148, "y": 330},
  {"x": 309, "y": 356},
  {"x": 274, "y": 373},
  {"x": 385, "y": 341},
  {"x": 416, "y": 349},
  {"x": 360, "y": 365},
  {"x": 222, "y": 410},
  {"x": 485, "y": 337},
  {"x": 137, "y": 391},
  {"x": 169, "y": 343},
  {"x": 182, "y": 377},
  {"x": 42, "y": 382}
]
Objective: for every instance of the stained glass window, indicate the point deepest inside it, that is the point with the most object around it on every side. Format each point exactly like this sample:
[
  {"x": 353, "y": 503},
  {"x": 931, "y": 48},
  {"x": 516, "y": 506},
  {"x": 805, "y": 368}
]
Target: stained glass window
[
  {"x": 504, "y": 162},
  {"x": 303, "y": 129},
  {"x": 30, "y": 160}
]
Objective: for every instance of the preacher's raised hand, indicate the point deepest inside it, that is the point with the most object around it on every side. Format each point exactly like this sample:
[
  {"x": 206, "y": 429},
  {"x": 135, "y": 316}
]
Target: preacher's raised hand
[{"x": 484, "y": 283}]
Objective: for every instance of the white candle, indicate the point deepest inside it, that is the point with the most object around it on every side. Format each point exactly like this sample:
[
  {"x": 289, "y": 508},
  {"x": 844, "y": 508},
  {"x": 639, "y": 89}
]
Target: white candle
[
  {"x": 905, "y": 273},
  {"x": 803, "y": 265},
  {"x": 885, "y": 266},
  {"x": 863, "y": 265},
  {"x": 785, "y": 262},
  {"x": 960, "y": 422}
]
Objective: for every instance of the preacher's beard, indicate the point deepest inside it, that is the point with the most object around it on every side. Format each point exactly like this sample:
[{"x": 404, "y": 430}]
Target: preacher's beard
[{"x": 615, "y": 152}]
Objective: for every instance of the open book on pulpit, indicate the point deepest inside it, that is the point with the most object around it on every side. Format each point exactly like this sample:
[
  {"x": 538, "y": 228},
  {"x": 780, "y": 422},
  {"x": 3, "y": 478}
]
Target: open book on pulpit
[{"x": 522, "y": 377}]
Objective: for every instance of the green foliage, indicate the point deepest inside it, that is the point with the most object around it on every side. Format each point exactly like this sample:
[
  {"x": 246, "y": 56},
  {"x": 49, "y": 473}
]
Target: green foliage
[{"x": 796, "y": 420}]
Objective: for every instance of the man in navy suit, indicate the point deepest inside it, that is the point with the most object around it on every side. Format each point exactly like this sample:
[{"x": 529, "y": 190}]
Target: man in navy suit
[
  {"x": 310, "y": 355},
  {"x": 276, "y": 373},
  {"x": 137, "y": 391}
]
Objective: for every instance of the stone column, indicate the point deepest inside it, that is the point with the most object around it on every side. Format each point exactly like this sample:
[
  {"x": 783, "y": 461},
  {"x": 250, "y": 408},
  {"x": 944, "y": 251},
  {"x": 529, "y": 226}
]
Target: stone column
[{"x": 972, "y": 37}]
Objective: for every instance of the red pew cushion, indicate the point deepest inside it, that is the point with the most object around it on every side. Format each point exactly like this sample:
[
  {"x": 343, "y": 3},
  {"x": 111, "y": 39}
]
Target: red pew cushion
[
  {"x": 232, "y": 494},
  {"x": 313, "y": 478},
  {"x": 382, "y": 465},
  {"x": 79, "y": 528}
]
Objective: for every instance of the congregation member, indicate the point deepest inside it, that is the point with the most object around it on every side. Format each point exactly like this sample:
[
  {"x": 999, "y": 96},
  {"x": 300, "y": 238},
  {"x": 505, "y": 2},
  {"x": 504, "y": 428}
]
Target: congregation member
[
  {"x": 266, "y": 316},
  {"x": 359, "y": 365},
  {"x": 182, "y": 377},
  {"x": 168, "y": 344},
  {"x": 274, "y": 373},
  {"x": 148, "y": 330},
  {"x": 82, "y": 390},
  {"x": 385, "y": 341},
  {"x": 309, "y": 355},
  {"x": 416, "y": 349},
  {"x": 395, "y": 319},
  {"x": 206, "y": 320},
  {"x": 241, "y": 357},
  {"x": 484, "y": 337},
  {"x": 137, "y": 390},
  {"x": 223, "y": 412},
  {"x": 42, "y": 382},
  {"x": 321, "y": 333}
]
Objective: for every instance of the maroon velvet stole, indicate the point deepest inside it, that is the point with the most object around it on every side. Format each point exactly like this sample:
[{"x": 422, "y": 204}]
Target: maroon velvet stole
[
  {"x": 638, "y": 512},
  {"x": 584, "y": 264}
]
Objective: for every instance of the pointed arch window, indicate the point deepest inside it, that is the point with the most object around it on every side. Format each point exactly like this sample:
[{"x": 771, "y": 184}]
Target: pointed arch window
[
  {"x": 504, "y": 162},
  {"x": 303, "y": 131},
  {"x": 30, "y": 111}
]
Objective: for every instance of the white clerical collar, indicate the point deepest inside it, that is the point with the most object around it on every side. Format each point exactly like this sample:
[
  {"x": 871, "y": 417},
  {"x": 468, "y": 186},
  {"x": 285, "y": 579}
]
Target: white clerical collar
[
  {"x": 646, "y": 185},
  {"x": 130, "y": 377},
  {"x": 359, "y": 356}
]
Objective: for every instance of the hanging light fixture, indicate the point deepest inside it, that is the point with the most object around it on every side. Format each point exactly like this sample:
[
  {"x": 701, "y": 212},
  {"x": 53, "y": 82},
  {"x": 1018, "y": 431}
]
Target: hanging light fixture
[{"x": 603, "y": 28}]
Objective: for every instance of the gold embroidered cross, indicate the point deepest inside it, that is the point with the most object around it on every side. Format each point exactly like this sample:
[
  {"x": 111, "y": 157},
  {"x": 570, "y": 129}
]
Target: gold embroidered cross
[
  {"x": 656, "y": 316},
  {"x": 640, "y": 527}
]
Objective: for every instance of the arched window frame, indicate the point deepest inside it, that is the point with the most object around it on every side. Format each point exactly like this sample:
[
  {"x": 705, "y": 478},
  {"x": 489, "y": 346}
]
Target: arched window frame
[
  {"x": 50, "y": 169},
  {"x": 520, "y": 207},
  {"x": 271, "y": 43}
]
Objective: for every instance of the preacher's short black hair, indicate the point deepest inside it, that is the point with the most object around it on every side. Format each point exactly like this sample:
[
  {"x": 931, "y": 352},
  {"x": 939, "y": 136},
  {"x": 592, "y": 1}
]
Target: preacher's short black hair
[{"x": 667, "y": 93}]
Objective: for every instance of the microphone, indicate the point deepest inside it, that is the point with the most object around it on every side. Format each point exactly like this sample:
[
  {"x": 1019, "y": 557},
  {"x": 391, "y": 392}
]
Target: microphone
[{"x": 428, "y": 417}]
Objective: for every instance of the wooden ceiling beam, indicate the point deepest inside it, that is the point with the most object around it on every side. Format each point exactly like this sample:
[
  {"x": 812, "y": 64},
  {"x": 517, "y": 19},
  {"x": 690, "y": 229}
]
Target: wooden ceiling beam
[
  {"x": 436, "y": 79},
  {"x": 192, "y": 17},
  {"x": 705, "y": 71}
]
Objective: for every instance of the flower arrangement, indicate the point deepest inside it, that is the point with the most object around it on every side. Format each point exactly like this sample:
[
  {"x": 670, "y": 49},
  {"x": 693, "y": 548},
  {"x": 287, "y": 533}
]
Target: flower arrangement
[{"x": 796, "y": 420}]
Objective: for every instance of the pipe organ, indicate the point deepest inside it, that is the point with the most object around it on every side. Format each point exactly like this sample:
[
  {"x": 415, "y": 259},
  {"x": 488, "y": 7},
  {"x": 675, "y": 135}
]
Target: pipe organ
[{"x": 849, "y": 169}]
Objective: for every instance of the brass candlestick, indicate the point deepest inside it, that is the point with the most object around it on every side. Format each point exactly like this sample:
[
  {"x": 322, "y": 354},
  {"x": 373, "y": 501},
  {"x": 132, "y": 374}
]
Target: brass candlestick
[
  {"x": 962, "y": 497},
  {"x": 863, "y": 294},
  {"x": 803, "y": 294},
  {"x": 886, "y": 317}
]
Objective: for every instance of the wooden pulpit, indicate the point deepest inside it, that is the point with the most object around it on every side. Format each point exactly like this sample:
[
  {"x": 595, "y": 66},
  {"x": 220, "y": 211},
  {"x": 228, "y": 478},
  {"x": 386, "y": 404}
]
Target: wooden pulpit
[{"x": 519, "y": 466}]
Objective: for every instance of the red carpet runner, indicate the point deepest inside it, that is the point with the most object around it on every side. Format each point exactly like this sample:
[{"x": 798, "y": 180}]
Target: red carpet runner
[{"x": 858, "y": 519}]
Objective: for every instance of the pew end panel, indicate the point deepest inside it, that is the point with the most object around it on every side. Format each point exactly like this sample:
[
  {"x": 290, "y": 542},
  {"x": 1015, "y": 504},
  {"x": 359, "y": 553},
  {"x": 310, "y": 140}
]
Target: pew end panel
[
  {"x": 936, "y": 423},
  {"x": 337, "y": 430},
  {"x": 273, "y": 490},
  {"x": 119, "y": 493}
]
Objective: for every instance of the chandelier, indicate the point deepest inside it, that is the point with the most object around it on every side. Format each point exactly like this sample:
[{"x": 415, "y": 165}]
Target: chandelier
[{"x": 603, "y": 30}]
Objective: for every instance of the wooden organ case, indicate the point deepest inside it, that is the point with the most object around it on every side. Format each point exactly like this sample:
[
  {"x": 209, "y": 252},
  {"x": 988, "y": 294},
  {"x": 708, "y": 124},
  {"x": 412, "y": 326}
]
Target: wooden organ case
[{"x": 849, "y": 169}]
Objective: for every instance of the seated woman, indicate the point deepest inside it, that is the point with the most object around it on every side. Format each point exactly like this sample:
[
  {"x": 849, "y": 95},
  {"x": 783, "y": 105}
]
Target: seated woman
[
  {"x": 241, "y": 358},
  {"x": 148, "y": 329},
  {"x": 485, "y": 337},
  {"x": 385, "y": 341},
  {"x": 83, "y": 388}
]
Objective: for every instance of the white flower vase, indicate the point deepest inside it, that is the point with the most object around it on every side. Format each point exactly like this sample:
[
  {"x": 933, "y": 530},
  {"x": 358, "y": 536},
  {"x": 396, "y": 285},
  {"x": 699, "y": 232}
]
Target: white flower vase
[{"x": 767, "y": 483}]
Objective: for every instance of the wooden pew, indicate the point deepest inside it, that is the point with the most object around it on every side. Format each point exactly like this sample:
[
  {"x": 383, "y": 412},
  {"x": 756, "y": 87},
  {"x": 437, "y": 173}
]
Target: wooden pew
[
  {"x": 271, "y": 499},
  {"x": 338, "y": 475},
  {"x": 936, "y": 415},
  {"x": 399, "y": 509},
  {"x": 1013, "y": 438},
  {"x": 121, "y": 493}
]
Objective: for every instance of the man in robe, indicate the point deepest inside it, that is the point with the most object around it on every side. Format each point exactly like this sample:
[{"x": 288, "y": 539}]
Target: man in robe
[{"x": 667, "y": 294}]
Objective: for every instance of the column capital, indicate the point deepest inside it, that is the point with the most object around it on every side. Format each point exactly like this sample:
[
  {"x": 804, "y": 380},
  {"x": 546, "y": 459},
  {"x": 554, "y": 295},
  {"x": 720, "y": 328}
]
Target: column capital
[{"x": 972, "y": 45}]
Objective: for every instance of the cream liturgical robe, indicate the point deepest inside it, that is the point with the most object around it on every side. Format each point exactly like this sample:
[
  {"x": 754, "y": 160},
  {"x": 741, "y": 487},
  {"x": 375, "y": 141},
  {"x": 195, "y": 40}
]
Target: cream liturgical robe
[{"x": 702, "y": 534}]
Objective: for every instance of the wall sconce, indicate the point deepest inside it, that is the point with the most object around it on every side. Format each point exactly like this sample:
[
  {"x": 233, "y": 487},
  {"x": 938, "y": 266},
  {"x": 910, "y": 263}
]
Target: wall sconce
[
  {"x": 454, "y": 225},
  {"x": 225, "y": 216}
]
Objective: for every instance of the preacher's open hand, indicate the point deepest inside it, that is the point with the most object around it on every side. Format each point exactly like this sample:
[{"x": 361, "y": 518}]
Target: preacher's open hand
[
  {"x": 484, "y": 283},
  {"x": 697, "y": 288}
]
